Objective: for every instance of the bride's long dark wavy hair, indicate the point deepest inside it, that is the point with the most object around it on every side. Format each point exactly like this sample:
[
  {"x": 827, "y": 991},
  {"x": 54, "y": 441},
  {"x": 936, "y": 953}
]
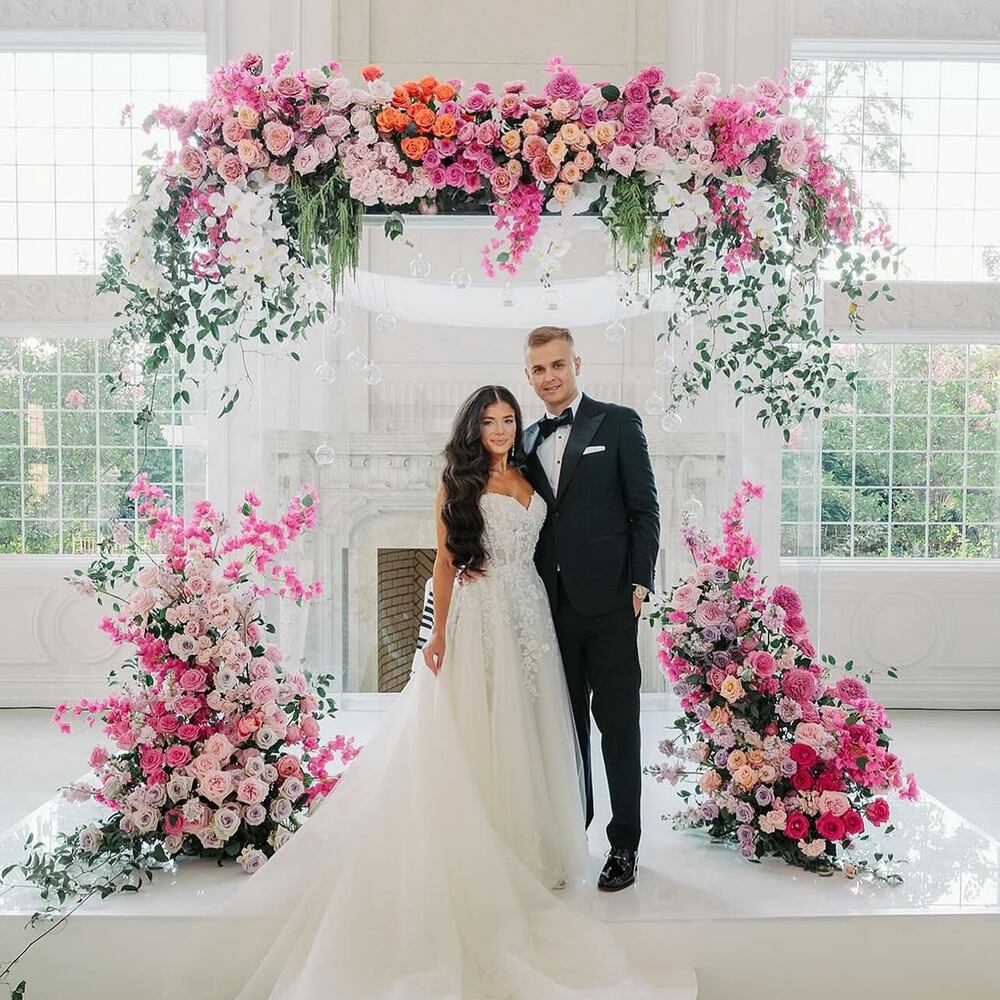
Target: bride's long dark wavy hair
[{"x": 466, "y": 473}]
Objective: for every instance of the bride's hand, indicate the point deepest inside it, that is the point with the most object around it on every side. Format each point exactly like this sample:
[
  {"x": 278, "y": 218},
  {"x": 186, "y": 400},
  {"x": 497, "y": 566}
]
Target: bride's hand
[{"x": 434, "y": 653}]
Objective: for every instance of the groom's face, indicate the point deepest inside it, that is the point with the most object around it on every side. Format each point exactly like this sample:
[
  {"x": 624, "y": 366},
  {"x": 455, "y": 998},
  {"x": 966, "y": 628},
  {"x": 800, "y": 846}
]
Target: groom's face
[{"x": 552, "y": 369}]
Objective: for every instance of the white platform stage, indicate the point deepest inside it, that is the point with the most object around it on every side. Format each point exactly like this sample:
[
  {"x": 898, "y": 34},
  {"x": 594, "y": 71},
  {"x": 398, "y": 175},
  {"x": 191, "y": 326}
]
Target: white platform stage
[{"x": 754, "y": 932}]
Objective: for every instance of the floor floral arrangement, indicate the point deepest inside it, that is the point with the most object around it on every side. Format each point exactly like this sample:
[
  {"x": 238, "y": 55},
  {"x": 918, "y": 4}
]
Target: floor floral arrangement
[
  {"x": 215, "y": 740},
  {"x": 787, "y": 762}
]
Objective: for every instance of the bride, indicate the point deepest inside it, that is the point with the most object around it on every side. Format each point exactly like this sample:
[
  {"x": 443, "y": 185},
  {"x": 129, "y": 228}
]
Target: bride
[{"x": 428, "y": 873}]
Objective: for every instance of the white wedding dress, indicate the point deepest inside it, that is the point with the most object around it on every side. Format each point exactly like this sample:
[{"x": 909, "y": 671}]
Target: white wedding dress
[{"x": 427, "y": 873}]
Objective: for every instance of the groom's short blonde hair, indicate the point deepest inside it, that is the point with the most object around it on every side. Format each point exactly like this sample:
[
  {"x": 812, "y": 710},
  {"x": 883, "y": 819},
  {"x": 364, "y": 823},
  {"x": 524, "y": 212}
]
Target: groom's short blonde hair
[{"x": 546, "y": 334}]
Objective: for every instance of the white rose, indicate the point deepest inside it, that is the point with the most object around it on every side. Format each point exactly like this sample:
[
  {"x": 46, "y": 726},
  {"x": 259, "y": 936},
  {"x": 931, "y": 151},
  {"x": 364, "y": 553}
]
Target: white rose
[
  {"x": 90, "y": 839},
  {"x": 251, "y": 859},
  {"x": 255, "y": 814},
  {"x": 226, "y": 821},
  {"x": 280, "y": 810}
]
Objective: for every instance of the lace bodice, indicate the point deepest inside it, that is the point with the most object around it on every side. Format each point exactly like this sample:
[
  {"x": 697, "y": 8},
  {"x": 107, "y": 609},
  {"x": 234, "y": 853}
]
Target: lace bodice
[{"x": 511, "y": 530}]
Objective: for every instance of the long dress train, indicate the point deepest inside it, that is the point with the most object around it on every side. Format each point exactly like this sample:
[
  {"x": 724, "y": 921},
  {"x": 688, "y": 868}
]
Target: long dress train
[{"x": 426, "y": 874}]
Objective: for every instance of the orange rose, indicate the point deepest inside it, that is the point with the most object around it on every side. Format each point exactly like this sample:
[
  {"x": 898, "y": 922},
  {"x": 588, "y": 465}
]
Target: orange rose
[
  {"x": 416, "y": 146},
  {"x": 402, "y": 120},
  {"x": 510, "y": 142},
  {"x": 444, "y": 92},
  {"x": 445, "y": 126},
  {"x": 386, "y": 120},
  {"x": 427, "y": 85},
  {"x": 371, "y": 72},
  {"x": 413, "y": 88},
  {"x": 423, "y": 118},
  {"x": 400, "y": 97}
]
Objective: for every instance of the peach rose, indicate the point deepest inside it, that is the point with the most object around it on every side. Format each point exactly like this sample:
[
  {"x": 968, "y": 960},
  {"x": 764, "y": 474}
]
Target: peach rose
[
  {"x": 561, "y": 109},
  {"x": 248, "y": 118},
  {"x": 562, "y": 191},
  {"x": 732, "y": 689},
  {"x": 584, "y": 160},
  {"x": 570, "y": 133},
  {"x": 193, "y": 163},
  {"x": 510, "y": 142},
  {"x": 736, "y": 760},
  {"x": 557, "y": 150},
  {"x": 711, "y": 781},
  {"x": 570, "y": 173},
  {"x": 278, "y": 138},
  {"x": 530, "y": 127},
  {"x": 232, "y": 171},
  {"x": 746, "y": 777},
  {"x": 603, "y": 133},
  {"x": 233, "y": 131},
  {"x": 719, "y": 716},
  {"x": 544, "y": 169}
]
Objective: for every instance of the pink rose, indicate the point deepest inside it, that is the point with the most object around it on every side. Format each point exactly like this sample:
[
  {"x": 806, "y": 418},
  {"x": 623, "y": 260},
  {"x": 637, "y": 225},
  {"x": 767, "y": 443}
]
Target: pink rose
[
  {"x": 850, "y": 690},
  {"x": 651, "y": 76},
  {"x": 193, "y": 679},
  {"x": 652, "y": 158},
  {"x": 709, "y": 613},
  {"x": 188, "y": 732},
  {"x": 278, "y": 138},
  {"x": 187, "y": 705},
  {"x": 835, "y": 803},
  {"x": 787, "y": 599},
  {"x": 288, "y": 766},
  {"x": 324, "y": 146},
  {"x": 762, "y": 662},
  {"x": 141, "y": 603},
  {"x": 251, "y": 791},
  {"x": 263, "y": 691},
  {"x": 755, "y": 168},
  {"x": 150, "y": 758},
  {"x": 336, "y": 126},
  {"x": 793, "y": 155},
  {"x": 563, "y": 84},
  {"x": 502, "y": 181},
  {"x": 831, "y": 827},
  {"x": 510, "y": 105},
  {"x": 635, "y": 118},
  {"x": 289, "y": 87},
  {"x": 790, "y": 129},
  {"x": 685, "y": 597},
  {"x": 311, "y": 116},
  {"x": 215, "y": 155},
  {"x": 622, "y": 160},
  {"x": 251, "y": 153},
  {"x": 768, "y": 92},
  {"x": 215, "y": 786},
  {"x": 192, "y": 163},
  {"x": 663, "y": 117},
  {"x": 231, "y": 170},
  {"x": 306, "y": 159},
  {"x": 233, "y": 131},
  {"x": 178, "y": 755},
  {"x": 877, "y": 811},
  {"x": 799, "y": 685},
  {"x": 636, "y": 92},
  {"x": 167, "y": 723},
  {"x": 692, "y": 128}
]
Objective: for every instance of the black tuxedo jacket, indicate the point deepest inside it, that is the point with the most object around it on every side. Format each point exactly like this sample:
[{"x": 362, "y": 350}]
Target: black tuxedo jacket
[{"x": 603, "y": 526}]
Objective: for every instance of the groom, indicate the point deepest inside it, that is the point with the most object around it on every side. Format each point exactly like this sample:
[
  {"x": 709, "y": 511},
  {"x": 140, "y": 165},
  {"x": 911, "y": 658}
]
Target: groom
[{"x": 596, "y": 555}]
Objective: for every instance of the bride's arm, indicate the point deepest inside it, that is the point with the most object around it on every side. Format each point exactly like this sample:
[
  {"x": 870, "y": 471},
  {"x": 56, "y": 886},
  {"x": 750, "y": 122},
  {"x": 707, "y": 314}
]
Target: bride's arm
[{"x": 444, "y": 581}]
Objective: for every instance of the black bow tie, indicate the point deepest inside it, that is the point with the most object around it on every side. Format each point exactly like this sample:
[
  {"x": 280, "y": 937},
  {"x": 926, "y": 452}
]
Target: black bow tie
[{"x": 548, "y": 424}]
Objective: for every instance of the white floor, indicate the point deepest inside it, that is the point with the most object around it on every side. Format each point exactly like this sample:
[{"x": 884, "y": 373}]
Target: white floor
[
  {"x": 690, "y": 894},
  {"x": 955, "y": 755}
]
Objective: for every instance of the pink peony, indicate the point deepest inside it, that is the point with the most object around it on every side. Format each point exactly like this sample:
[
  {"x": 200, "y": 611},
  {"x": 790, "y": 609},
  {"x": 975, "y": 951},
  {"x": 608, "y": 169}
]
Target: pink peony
[
  {"x": 306, "y": 159},
  {"x": 290, "y": 87},
  {"x": 787, "y": 599}
]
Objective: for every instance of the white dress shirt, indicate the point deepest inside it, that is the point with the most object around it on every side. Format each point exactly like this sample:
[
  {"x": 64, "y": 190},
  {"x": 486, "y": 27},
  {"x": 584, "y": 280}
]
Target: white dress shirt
[{"x": 551, "y": 449}]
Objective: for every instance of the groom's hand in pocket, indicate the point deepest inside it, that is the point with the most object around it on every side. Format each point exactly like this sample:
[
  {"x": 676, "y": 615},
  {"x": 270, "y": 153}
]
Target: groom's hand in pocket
[{"x": 434, "y": 653}]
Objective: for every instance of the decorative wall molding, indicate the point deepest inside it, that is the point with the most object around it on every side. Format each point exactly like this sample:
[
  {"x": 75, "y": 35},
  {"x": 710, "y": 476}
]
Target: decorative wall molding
[
  {"x": 924, "y": 305},
  {"x": 937, "y": 625},
  {"x": 973, "y": 19},
  {"x": 41, "y": 299},
  {"x": 113, "y": 15}
]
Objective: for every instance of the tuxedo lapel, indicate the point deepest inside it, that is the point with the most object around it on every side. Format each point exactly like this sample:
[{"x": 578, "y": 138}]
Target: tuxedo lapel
[
  {"x": 532, "y": 439},
  {"x": 584, "y": 426}
]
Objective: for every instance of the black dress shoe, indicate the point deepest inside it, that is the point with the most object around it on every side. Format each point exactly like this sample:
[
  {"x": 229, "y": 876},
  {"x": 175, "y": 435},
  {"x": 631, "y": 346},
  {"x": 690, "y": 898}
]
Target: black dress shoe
[{"x": 619, "y": 870}]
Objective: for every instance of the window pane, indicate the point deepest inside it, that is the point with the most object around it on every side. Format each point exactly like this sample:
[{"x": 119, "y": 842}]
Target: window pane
[
  {"x": 63, "y": 141},
  {"x": 68, "y": 446},
  {"x": 921, "y": 137}
]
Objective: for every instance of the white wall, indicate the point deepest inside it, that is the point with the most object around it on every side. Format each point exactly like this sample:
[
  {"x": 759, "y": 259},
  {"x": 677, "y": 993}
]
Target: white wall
[{"x": 53, "y": 652}]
